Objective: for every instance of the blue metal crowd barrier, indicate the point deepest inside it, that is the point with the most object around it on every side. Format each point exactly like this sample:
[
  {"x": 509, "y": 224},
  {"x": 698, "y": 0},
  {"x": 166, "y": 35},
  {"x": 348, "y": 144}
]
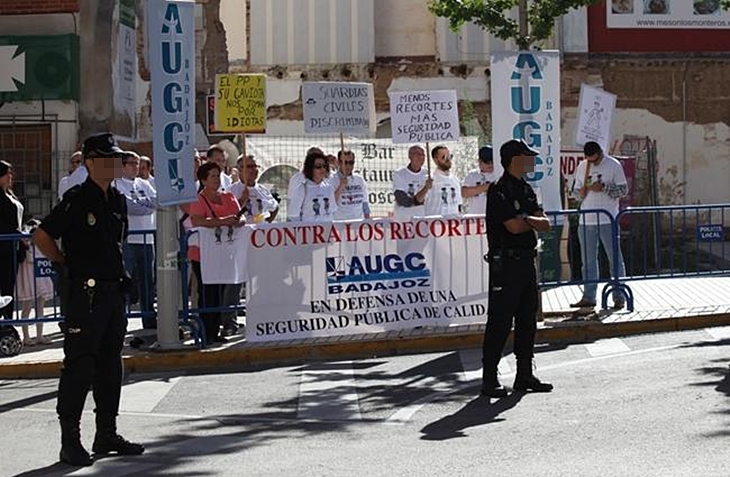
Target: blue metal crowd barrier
[
  {"x": 43, "y": 269},
  {"x": 565, "y": 224},
  {"x": 675, "y": 241},
  {"x": 190, "y": 313}
]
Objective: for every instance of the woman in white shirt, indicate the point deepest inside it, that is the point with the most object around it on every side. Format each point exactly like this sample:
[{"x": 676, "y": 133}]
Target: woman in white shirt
[{"x": 315, "y": 197}]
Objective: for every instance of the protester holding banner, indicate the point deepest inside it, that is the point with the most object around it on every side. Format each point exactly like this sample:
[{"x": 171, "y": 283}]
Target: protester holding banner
[
  {"x": 216, "y": 210},
  {"x": 314, "y": 197},
  {"x": 256, "y": 201},
  {"x": 411, "y": 184},
  {"x": 513, "y": 216},
  {"x": 477, "y": 182},
  {"x": 600, "y": 182},
  {"x": 444, "y": 198},
  {"x": 353, "y": 203}
]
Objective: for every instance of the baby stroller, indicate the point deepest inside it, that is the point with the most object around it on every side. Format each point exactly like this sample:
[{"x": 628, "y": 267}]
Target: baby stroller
[{"x": 10, "y": 342}]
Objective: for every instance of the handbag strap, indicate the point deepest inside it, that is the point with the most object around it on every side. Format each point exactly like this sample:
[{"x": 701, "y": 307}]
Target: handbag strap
[{"x": 210, "y": 206}]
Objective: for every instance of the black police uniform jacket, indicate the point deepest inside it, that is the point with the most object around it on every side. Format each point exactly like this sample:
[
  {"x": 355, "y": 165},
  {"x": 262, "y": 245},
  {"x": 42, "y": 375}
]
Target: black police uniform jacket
[
  {"x": 507, "y": 199},
  {"x": 92, "y": 227}
]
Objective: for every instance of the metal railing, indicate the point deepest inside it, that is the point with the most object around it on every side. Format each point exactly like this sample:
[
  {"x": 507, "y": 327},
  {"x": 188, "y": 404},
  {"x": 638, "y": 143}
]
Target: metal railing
[{"x": 570, "y": 224}]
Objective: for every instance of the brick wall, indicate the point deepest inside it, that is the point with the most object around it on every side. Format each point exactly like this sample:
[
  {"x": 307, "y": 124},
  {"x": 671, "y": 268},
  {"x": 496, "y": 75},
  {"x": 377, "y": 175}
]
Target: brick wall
[{"x": 24, "y": 7}]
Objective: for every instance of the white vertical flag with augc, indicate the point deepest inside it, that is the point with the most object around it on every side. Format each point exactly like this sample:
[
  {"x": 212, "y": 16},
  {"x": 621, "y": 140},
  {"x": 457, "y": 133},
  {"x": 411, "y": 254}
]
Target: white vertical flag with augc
[
  {"x": 171, "y": 35},
  {"x": 526, "y": 105}
]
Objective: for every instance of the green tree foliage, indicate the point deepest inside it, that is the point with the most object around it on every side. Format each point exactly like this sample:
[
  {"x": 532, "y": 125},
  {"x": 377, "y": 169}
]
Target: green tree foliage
[{"x": 493, "y": 16}]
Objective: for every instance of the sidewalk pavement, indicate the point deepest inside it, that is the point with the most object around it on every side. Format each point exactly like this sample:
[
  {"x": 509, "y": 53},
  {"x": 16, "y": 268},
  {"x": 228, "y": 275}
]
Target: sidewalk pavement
[{"x": 660, "y": 306}]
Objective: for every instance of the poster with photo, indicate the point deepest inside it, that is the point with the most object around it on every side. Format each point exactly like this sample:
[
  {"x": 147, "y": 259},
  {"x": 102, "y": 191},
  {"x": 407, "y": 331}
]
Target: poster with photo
[{"x": 666, "y": 14}]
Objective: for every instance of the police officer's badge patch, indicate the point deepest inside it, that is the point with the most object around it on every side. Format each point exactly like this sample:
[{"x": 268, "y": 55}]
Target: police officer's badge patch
[
  {"x": 517, "y": 204},
  {"x": 90, "y": 219}
]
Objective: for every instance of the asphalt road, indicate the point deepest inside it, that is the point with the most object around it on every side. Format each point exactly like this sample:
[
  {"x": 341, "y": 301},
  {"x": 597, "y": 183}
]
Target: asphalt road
[{"x": 637, "y": 406}]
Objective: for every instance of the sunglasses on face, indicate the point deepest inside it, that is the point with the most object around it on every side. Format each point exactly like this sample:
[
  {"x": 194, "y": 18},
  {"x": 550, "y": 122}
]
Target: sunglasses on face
[
  {"x": 349, "y": 163},
  {"x": 320, "y": 166}
]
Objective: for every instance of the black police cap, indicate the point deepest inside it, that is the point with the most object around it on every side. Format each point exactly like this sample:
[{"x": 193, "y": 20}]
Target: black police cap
[
  {"x": 486, "y": 154},
  {"x": 101, "y": 145},
  {"x": 515, "y": 147}
]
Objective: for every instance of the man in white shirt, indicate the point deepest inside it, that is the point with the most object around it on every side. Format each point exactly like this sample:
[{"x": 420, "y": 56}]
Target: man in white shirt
[
  {"x": 477, "y": 182},
  {"x": 218, "y": 155},
  {"x": 444, "y": 198},
  {"x": 139, "y": 250},
  {"x": 256, "y": 201},
  {"x": 145, "y": 170},
  {"x": 353, "y": 203},
  {"x": 77, "y": 174},
  {"x": 600, "y": 181},
  {"x": 410, "y": 186}
]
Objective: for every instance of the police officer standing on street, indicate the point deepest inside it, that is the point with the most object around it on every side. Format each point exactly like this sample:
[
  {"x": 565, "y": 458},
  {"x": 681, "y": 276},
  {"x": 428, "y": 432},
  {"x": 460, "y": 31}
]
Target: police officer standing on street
[
  {"x": 91, "y": 222},
  {"x": 513, "y": 216}
]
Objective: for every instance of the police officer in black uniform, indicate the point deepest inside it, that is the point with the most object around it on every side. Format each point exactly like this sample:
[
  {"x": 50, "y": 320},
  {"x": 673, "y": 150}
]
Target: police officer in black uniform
[
  {"x": 513, "y": 216},
  {"x": 91, "y": 222}
]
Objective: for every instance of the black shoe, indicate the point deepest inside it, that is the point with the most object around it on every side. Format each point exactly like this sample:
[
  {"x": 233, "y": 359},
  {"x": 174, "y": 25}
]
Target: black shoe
[
  {"x": 583, "y": 303},
  {"x": 108, "y": 443},
  {"x": 530, "y": 383},
  {"x": 220, "y": 339},
  {"x": 493, "y": 389},
  {"x": 73, "y": 453}
]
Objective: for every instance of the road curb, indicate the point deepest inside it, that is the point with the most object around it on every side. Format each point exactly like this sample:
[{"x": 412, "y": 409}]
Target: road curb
[{"x": 251, "y": 357}]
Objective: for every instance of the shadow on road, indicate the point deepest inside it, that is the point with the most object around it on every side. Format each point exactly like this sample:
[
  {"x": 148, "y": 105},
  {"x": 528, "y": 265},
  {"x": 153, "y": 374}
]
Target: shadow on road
[{"x": 477, "y": 412}]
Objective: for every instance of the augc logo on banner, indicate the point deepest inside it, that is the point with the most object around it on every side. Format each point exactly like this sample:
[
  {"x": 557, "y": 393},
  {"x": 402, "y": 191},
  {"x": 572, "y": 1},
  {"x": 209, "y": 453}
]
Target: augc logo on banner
[{"x": 371, "y": 272}]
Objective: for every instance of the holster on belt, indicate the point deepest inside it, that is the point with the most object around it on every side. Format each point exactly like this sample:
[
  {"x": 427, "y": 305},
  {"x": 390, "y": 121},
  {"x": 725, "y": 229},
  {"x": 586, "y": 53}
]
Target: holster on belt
[{"x": 64, "y": 288}]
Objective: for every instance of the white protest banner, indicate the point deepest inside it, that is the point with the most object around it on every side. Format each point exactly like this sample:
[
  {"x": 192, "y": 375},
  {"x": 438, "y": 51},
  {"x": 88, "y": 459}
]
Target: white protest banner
[
  {"x": 700, "y": 14},
  {"x": 526, "y": 105},
  {"x": 332, "y": 107},
  {"x": 171, "y": 33},
  {"x": 424, "y": 116},
  {"x": 342, "y": 278},
  {"x": 595, "y": 112}
]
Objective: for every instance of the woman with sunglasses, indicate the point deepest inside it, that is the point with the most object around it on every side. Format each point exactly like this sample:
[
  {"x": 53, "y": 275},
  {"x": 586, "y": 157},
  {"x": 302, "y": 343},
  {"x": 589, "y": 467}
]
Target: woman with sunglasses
[
  {"x": 216, "y": 210},
  {"x": 315, "y": 198}
]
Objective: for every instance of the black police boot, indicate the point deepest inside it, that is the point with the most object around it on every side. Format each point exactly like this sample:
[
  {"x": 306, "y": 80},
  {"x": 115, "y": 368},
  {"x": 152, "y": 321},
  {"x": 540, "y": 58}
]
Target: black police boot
[
  {"x": 72, "y": 452},
  {"x": 491, "y": 387},
  {"x": 526, "y": 381},
  {"x": 107, "y": 440}
]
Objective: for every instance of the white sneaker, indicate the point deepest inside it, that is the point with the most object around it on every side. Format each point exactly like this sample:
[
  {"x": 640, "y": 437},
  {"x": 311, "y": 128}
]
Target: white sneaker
[{"x": 5, "y": 301}]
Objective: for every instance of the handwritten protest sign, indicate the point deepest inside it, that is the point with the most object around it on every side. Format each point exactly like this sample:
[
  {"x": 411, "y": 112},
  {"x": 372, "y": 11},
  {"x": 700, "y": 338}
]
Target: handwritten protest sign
[
  {"x": 332, "y": 107},
  {"x": 424, "y": 116},
  {"x": 595, "y": 113},
  {"x": 240, "y": 105}
]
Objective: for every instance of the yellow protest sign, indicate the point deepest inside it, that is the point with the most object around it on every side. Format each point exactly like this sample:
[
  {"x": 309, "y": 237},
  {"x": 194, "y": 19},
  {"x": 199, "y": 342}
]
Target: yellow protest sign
[{"x": 240, "y": 103}]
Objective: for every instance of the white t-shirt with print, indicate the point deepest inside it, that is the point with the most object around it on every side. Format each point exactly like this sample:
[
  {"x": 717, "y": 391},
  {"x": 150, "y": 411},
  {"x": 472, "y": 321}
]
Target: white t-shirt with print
[
  {"x": 260, "y": 201},
  {"x": 139, "y": 189},
  {"x": 608, "y": 171},
  {"x": 409, "y": 182},
  {"x": 223, "y": 252},
  {"x": 444, "y": 198},
  {"x": 478, "y": 204},
  {"x": 354, "y": 195},
  {"x": 312, "y": 202}
]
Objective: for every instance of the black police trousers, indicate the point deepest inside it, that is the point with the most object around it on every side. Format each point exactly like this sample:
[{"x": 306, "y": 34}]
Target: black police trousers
[
  {"x": 512, "y": 294},
  {"x": 93, "y": 338}
]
